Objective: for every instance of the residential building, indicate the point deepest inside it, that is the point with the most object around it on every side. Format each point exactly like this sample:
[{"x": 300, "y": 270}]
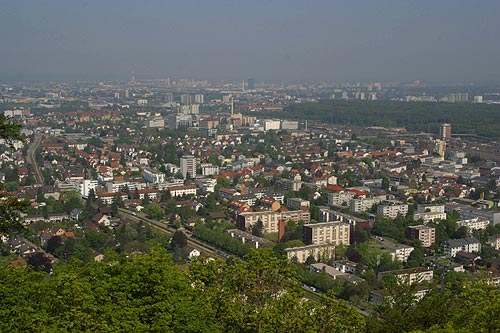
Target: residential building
[
  {"x": 468, "y": 244},
  {"x": 207, "y": 184},
  {"x": 199, "y": 98},
  {"x": 85, "y": 186},
  {"x": 401, "y": 252},
  {"x": 248, "y": 238},
  {"x": 269, "y": 204},
  {"x": 270, "y": 219},
  {"x": 410, "y": 275},
  {"x": 179, "y": 120},
  {"x": 289, "y": 125},
  {"x": 188, "y": 166},
  {"x": 494, "y": 241},
  {"x": 360, "y": 205},
  {"x": 180, "y": 190},
  {"x": 467, "y": 213},
  {"x": 342, "y": 198},
  {"x": 208, "y": 169},
  {"x": 155, "y": 122},
  {"x": 426, "y": 235},
  {"x": 108, "y": 198},
  {"x": 335, "y": 273},
  {"x": 335, "y": 233},
  {"x": 272, "y": 124},
  {"x": 392, "y": 209},
  {"x": 186, "y": 99},
  {"x": 445, "y": 131},
  {"x": 328, "y": 215},
  {"x": 298, "y": 203},
  {"x": 350, "y": 267},
  {"x": 474, "y": 224},
  {"x": 429, "y": 213},
  {"x": 154, "y": 176},
  {"x": 318, "y": 252}
]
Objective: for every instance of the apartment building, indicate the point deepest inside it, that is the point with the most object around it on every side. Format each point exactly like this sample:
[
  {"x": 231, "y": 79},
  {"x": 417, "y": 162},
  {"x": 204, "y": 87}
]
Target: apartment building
[
  {"x": 410, "y": 275},
  {"x": 429, "y": 213},
  {"x": 297, "y": 203},
  {"x": 468, "y": 244},
  {"x": 154, "y": 176},
  {"x": 188, "y": 166},
  {"x": 392, "y": 209},
  {"x": 401, "y": 252},
  {"x": 426, "y": 235},
  {"x": 180, "y": 190},
  {"x": 328, "y": 215},
  {"x": 494, "y": 241},
  {"x": 474, "y": 224},
  {"x": 318, "y": 252},
  {"x": 334, "y": 233},
  {"x": 360, "y": 205},
  {"x": 484, "y": 214},
  {"x": 270, "y": 219},
  {"x": 340, "y": 198}
]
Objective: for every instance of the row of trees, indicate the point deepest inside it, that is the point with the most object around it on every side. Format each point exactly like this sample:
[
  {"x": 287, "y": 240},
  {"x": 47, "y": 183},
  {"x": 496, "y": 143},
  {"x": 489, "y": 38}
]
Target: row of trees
[
  {"x": 221, "y": 240},
  {"x": 466, "y": 118}
]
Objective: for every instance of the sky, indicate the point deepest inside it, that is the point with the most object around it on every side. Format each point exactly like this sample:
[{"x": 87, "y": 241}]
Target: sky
[{"x": 274, "y": 40}]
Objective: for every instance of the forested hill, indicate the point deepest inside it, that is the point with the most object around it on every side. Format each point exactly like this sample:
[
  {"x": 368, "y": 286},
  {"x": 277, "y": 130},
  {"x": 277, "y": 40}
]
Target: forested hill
[
  {"x": 149, "y": 293},
  {"x": 481, "y": 119}
]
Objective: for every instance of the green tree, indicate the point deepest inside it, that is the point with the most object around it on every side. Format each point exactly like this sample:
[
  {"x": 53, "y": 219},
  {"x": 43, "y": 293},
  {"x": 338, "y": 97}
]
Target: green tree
[
  {"x": 258, "y": 228},
  {"x": 154, "y": 211}
]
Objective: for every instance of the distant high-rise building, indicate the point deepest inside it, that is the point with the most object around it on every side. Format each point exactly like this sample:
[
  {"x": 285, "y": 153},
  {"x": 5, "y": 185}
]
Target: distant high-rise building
[
  {"x": 445, "y": 131},
  {"x": 478, "y": 99},
  {"x": 188, "y": 166},
  {"x": 440, "y": 147},
  {"x": 250, "y": 84},
  {"x": 127, "y": 93},
  {"x": 199, "y": 98},
  {"x": 186, "y": 99},
  {"x": 117, "y": 95},
  {"x": 169, "y": 98},
  {"x": 456, "y": 98}
]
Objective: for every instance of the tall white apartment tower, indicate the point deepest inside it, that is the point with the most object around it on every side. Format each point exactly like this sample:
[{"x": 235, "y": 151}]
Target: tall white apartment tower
[
  {"x": 188, "y": 166},
  {"x": 199, "y": 98}
]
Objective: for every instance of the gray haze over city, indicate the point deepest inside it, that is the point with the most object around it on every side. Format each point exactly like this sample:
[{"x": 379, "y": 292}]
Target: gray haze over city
[{"x": 434, "y": 41}]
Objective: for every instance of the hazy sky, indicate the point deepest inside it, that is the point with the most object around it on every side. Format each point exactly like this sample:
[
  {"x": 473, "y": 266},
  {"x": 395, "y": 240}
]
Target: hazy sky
[{"x": 307, "y": 40}]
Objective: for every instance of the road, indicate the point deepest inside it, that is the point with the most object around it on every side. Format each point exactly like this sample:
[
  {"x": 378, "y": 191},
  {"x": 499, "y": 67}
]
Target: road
[{"x": 32, "y": 160}]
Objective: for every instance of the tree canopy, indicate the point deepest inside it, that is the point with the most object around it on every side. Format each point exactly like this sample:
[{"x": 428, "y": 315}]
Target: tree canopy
[{"x": 149, "y": 293}]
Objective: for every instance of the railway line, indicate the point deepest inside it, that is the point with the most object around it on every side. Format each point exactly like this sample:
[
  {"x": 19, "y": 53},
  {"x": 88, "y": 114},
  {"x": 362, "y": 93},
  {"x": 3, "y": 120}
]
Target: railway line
[{"x": 162, "y": 227}]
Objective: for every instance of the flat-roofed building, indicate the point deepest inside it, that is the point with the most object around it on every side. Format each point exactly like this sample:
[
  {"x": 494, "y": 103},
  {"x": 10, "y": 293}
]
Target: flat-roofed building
[
  {"x": 474, "y": 224},
  {"x": 335, "y": 233},
  {"x": 318, "y": 252},
  {"x": 392, "y": 209},
  {"x": 426, "y": 235},
  {"x": 270, "y": 219},
  {"x": 409, "y": 275}
]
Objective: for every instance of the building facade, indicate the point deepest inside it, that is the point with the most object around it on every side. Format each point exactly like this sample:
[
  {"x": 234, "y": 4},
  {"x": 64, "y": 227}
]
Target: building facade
[{"x": 334, "y": 233}]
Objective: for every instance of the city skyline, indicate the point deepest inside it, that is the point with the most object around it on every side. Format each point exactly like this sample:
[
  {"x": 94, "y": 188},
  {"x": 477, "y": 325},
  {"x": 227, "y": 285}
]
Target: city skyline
[{"x": 266, "y": 40}]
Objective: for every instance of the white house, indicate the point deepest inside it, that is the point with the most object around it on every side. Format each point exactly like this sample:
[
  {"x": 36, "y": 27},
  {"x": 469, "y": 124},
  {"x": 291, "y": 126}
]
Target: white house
[{"x": 194, "y": 253}]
